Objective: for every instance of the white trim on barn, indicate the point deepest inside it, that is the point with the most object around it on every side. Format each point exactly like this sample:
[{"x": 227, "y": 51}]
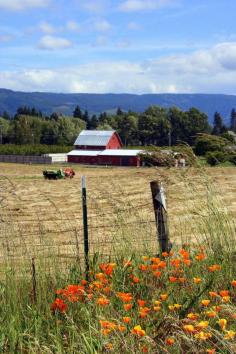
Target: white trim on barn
[
  {"x": 120, "y": 152},
  {"x": 83, "y": 153}
]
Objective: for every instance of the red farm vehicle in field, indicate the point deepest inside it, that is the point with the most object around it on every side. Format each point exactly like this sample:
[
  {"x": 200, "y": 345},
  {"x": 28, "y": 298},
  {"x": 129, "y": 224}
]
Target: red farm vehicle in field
[{"x": 60, "y": 174}]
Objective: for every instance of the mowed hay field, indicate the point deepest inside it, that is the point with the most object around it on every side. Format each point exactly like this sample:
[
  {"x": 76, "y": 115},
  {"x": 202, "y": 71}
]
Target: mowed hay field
[{"x": 44, "y": 218}]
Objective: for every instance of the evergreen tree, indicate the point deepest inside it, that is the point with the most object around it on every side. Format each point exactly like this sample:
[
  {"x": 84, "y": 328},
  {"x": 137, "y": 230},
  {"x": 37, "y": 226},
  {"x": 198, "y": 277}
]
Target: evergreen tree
[
  {"x": 119, "y": 112},
  {"x": 55, "y": 116},
  {"x": 6, "y": 115},
  {"x": 93, "y": 123},
  {"x": 77, "y": 112},
  {"x": 218, "y": 128},
  {"x": 103, "y": 118},
  {"x": 233, "y": 120}
]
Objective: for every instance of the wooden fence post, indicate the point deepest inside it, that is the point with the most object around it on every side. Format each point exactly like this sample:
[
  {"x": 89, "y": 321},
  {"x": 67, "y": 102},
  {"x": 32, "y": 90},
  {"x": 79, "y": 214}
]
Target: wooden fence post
[
  {"x": 34, "y": 284},
  {"x": 159, "y": 204},
  {"x": 85, "y": 224}
]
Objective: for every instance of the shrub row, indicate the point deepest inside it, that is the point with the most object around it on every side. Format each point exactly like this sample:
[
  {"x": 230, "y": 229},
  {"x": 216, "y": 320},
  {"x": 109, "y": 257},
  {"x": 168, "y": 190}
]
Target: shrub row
[{"x": 35, "y": 150}]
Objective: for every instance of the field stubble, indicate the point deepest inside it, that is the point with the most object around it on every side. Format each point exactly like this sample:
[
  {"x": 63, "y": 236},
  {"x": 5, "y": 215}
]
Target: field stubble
[{"x": 44, "y": 218}]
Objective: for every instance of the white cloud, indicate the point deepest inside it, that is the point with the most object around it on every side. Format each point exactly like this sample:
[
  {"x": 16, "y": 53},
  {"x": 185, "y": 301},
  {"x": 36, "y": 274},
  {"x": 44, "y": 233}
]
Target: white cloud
[
  {"x": 54, "y": 43},
  {"x": 211, "y": 70},
  {"x": 72, "y": 26},
  {"x": 16, "y": 5},
  {"x": 102, "y": 26},
  {"x": 46, "y": 27},
  {"x": 94, "y": 5},
  {"x": 140, "y": 5}
]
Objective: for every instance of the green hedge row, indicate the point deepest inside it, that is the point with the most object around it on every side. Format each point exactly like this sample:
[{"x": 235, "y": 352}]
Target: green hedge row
[{"x": 35, "y": 150}]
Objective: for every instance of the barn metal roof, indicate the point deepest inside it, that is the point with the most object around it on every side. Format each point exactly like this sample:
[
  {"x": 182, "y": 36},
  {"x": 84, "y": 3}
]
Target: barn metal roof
[
  {"x": 94, "y": 137},
  {"x": 83, "y": 153},
  {"x": 120, "y": 152}
]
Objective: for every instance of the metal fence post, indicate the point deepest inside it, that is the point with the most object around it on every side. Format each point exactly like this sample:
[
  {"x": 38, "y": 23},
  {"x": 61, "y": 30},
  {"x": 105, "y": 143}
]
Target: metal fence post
[
  {"x": 159, "y": 204},
  {"x": 85, "y": 224}
]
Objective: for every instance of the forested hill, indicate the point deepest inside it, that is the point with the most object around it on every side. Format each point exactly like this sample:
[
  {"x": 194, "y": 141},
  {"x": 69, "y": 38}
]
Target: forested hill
[{"x": 97, "y": 103}]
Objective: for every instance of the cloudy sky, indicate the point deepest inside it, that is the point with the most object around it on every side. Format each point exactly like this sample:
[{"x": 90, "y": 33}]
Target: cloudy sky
[{"x": 133, "y": 46}]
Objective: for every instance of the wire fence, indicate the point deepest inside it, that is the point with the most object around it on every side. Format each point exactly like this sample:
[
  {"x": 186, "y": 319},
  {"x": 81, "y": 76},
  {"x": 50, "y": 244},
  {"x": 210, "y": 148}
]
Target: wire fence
[{"x": 44, "y": 219}]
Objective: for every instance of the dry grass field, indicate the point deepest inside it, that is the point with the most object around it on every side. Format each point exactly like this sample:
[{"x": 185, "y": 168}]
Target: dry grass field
[{"x": 41, "y": 217}]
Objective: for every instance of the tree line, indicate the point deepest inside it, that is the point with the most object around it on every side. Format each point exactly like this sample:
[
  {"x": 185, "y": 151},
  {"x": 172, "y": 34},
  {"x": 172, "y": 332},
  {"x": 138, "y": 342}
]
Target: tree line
[{"x": 155, "y": 126}]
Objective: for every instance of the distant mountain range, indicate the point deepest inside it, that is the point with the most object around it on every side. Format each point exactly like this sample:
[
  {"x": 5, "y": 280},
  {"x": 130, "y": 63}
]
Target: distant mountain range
[{"x": 97, "y": 103}]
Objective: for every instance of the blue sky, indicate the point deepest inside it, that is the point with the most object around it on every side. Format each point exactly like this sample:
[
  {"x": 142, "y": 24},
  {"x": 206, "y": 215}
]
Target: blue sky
[{"x": 134, "y": 46}]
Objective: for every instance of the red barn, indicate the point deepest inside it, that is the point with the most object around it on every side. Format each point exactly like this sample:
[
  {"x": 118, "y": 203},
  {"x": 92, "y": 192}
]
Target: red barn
[
  {"x": 98, "y": 140},
  {"x": 98, "y": 147}
]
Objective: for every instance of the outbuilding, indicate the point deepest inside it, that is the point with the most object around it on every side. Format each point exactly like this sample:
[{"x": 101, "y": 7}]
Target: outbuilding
[{"x": 98, "y": 147}]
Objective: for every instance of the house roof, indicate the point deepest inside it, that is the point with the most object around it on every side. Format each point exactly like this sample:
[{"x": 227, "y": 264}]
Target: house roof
[{"x": 94, "y": 137}]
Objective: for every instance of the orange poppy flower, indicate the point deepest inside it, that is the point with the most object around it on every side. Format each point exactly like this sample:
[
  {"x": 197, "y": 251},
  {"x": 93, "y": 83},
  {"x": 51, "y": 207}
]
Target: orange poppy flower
[
  {"x": 216, "y": 308},
  {"x": 205, "y": 302},
  {"x": 126, "y": 319},
  {"x": 157, "y": 308},
  {"x": 175, "y": 262},
  {"x": 107, "y": 268},
  {"x": 127, "y": 307},
  {"x": 136, "y": 280},
  {"x": 137, "y": 330},
  {"x": 105, "y": 331},
  {"x": 197, "y": 280},
  {"x": 203, "y": 335},
  {"x": 145, "y": 258},
  {"x": 165, "y": 254},
  {"x": 222, "y": 323},
  {"x": 233, "y": 283},
  {"x": 173, "y": 279},
  {"x": 202, "y": 324},
  {"x": 163, "y": 297},
  {"x": 107, "y": 324},
  {"x": 59, "y": 305},
  {"x": 187, "y": 262},
  {"x": 214, "y": 268},
  {"x": 200, "y": 257},
  {"x": 121, "y": 328},
  {"x": 102, "y": 301},
  {"x": 213, "y": 294},
  {"x": 141, "y": 302},
  {"x": 224, "y": 293},
  {"x": 211, "y": 314},
  {"x": 169, "y": 341},
  {"x": 144, "y": 312},
  {"x": 125, "y": 297},
  {"x": 189, "y": 328},
  {"x": 225, "y": 298},
  {"x": 143, "y": 267},
  {"x": 193, "y": 316},
  {"x": 210, "y": 351},
  {"x": 229, "y": 335},
  {"x": 157, "y": 274},
  {"x": 184, "y": 253}
]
